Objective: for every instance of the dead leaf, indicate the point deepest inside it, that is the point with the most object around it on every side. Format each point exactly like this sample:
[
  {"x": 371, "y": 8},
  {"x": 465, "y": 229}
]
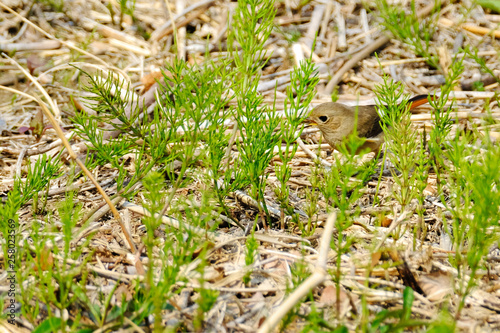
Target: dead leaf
[
  {"x": 36, "y": 124},
  {"x": 150, "y": 79},
  {"x": 436, "y": 285},
  {"x": 121, "y": 291},
  {"x": 385, "y": 222},
  {"x": 45, "y": 260},
  {"x": 328, "y": 296},
  {"x": 375, "y": 258}
]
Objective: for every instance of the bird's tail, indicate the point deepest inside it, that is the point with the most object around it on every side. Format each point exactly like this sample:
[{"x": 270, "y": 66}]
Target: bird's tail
[{"x": 419, "y": 100}]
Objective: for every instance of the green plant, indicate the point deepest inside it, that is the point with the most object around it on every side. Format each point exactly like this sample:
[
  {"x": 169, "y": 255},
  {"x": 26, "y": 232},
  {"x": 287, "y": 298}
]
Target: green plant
[
  {"x": 299, "y": 94},
  {"x": 186, "y": 127},
  {"x": 402, "y": 144},
  {"x": 57, "y": 5},
  {"x": 121, "y": 113},
  {"x": 441, "y": 115},
  {"x": 194, "y": 107},
  {"x": 205, "y": 301},
  {"x": 396, "y": 320},
  {"x": 474, "y": 183},
  {"x": 299, "y": 273},
  {"x": 312, "y": 197},
  {"x": 340, "y": 192},
  {"x": 253, "y": 22},
  {"x": 127, "y": 7},
  {"x": 206, "y": 297},
  {"x": 250, "y": 255},
  {"x": 407, "y": 27},
  {"x": 60, "y": 272},
  {"x": 38, "y": 178},
  {"x": 315, "y": 322},
  {"x": 482, "y": 64},
  {"x": 421, "y": 172}
]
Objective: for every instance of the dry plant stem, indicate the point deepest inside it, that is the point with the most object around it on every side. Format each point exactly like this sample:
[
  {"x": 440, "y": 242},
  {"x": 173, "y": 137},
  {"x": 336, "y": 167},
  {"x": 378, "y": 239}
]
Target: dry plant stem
[
  {"x": 15, "y": 91},
  {"x": 166, "y": 28},
  {"x": 319, "y": 276},
  {"x": 172, "y": 23},
  {"x": 369, "y": 49},
  {"x": 44, "y": 149},
  {"x": 45, "y": 45},
  {"x": 109, "y": 32},
  {"x": 62, "y": 42},
  {"x": 248, "y": 200},
  {"x": 311, "y": 154},
  {"x": 17, "y": 36},
  {"x": 227, "y": 155},
  {"x": 395, "y": 223},
  {"x": 38, "y": 85},
  {"x": 173, "y": 222},
  {"x": 481, "y": 30},
  {"x": 325, "y": 20},
  {"x": 103, "y": 210},
  {"x": 72, "y": 154},
  {"x": 134, "y": 325},
  {"x": 100, "y": 271},
  {"x": 341, "y": 34},
  {"x": 187, "y": 20},
  {"x": 314, "y": 24},
  {"x": 17, "y": 169},
  {"x": 181, "y": 33}
]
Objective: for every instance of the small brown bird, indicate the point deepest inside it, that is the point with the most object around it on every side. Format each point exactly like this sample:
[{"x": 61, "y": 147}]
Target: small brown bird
[{"x": 336, "y": 121}]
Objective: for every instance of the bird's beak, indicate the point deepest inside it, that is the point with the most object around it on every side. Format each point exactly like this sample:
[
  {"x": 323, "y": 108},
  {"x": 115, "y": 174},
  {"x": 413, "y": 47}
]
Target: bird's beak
[{"x": 309, "y": 121}]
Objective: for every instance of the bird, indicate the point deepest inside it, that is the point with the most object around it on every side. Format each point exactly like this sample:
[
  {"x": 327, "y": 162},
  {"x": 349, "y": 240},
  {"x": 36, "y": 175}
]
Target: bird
[{"x": 336, "y": 121}]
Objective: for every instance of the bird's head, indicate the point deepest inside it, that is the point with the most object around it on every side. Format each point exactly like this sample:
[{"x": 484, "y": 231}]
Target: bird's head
[{"x": 329, "y": 116}]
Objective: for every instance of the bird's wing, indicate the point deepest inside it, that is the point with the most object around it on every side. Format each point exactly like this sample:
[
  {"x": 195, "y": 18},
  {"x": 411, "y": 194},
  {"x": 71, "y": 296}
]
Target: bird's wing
[{"x": 368, "y": 122}]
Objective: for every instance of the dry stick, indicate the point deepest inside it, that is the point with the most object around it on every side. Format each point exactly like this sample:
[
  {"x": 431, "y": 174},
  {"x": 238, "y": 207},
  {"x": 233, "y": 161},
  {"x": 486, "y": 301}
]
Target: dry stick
[
  {"x": 311, "y": 153},
  {"x": 481, "y": 30},
  {"x": 16, "y": 37},
  {"x": 248, "y": 200},
  {"x": 102, "y": 210},
  {"x": 45, "y": 45},
  {"x": 326, "y": 19},
  {"x": 166, "y": 28},
  {"x": 68, "y": 45},
  {"x": 335, "y": 80},
  {"x": 395, "y": 223},
  {"x": 172, "y": 21},
  {"x": 72, "y": 154},
  {"x": 314, "y": 24},
  {"x": 38, "y": 85},
  {"x": 319, "y": 275},
  {"x": 187, "y": 20},
  {"x": 369, "y": 49},
  {"x": 17, "y": 169},
  {"x": 33, "y": 151},
  {"x": 341, "y": 35},
  {"x": 173, "y": 222},
  {"x": 109, "y": 32},
  {"x": 365, "y": 25},
  {"x": 181, "y": 33}
]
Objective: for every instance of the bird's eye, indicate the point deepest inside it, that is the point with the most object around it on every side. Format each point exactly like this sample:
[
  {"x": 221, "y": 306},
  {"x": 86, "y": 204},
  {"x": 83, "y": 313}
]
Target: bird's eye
[{"x": 323, "y": 118}]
